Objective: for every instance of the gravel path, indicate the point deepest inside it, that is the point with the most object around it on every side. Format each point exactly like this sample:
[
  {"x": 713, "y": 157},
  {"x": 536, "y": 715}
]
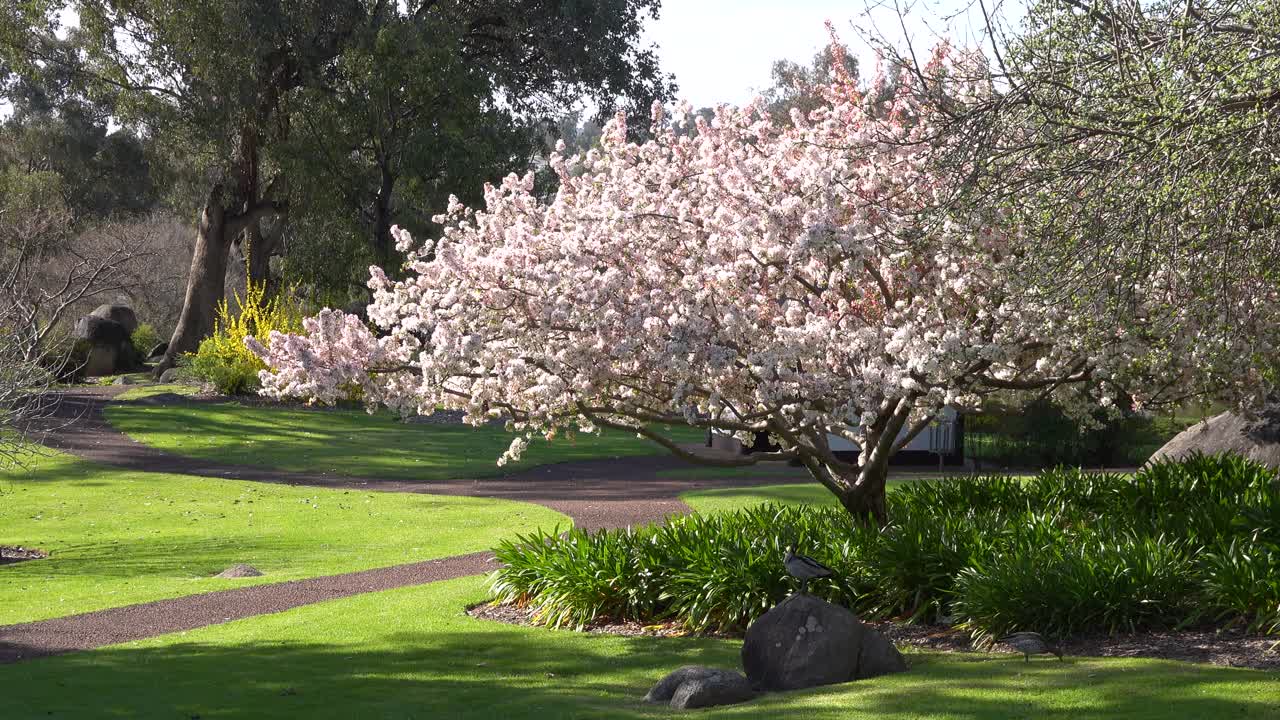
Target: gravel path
[{"x": 596, "y": 494}]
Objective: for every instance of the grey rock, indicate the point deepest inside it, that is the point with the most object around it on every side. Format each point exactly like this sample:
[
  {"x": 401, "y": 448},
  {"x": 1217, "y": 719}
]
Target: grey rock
[
  {"x": 240, "y": 570},
  {"x": 100, "y": 331},
  {"x": 1256, "y": 437},
  {"x": 107, "y": 349},
  {"x": 122, "y": 314},
  {"x": 170, "y": 376},
  {"x": 696, "y": 686},
  {"x": 126, "y": 380},
  {"x": 806, "y": 641},
  {"x": 101, "y": 360},
  {"x": 163, "y": 399}
]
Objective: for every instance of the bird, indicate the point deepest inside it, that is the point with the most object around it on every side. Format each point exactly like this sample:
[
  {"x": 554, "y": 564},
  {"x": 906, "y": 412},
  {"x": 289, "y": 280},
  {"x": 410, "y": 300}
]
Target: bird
[
  {"x": 804, "y": 568},
  {"x": 1031, "y": 643}
]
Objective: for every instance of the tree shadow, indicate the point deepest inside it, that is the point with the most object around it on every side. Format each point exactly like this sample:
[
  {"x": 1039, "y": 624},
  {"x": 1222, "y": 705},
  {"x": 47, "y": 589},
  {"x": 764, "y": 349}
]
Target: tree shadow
[{"x": 501, "y": 672}]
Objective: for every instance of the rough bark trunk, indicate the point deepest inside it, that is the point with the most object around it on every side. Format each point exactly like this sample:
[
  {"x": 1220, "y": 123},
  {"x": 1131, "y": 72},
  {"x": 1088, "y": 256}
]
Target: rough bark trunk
[
  {"x": 205, "y": 282},
  {"x": 862, "y": 493},
  {"x": 221, "y": 222},
  {"x": 865, "y": 499},
  {"x": 260, "y": 252},
  {"x": 382, "y": 245}
]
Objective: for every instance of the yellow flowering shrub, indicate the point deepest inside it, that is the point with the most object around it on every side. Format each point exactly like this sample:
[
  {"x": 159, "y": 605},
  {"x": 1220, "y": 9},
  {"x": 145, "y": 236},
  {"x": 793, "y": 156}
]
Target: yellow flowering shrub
[{"x": 222, "y": 358}]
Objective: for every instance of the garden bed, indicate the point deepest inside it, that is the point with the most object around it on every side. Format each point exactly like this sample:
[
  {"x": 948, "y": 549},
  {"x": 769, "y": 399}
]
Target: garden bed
[
  {"x": 1230, "y": 648},
  {"x": 1069, "y": 554},
  {"x": 10, "y": 554}
]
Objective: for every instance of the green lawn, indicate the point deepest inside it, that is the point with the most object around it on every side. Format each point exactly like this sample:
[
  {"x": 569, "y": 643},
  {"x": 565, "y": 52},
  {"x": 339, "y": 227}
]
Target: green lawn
[
  {"x": 411, "y": 653},
  {"x": 146, "y": 391},
  {"x": 353, "y": 443},
  {"x": 725, "y": 499},
  {"x": 119, "y": 537},
  {"x": 797, "y": 493}
]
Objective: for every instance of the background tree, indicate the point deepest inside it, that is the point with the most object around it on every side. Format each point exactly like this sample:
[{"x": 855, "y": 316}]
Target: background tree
[
  {"x": 50, "y": 270},
  {"x": 800, "y": 86},
  {"x": 443, "y": 96},
  {"x": 1137, "y": 140},
  {"x": 56, "y": 127}
]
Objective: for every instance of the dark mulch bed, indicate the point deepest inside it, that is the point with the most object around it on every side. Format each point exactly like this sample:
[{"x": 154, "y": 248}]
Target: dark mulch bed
[
  {"x": 1217, "y": 647},
  {"x": 10, "y": 554}
]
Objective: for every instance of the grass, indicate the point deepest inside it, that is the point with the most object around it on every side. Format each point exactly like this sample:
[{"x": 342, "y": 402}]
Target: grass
[
  {"x": 119, "y": 537},
  {"x": 352, "y": 443},
  {"x": 412, "y": 653},
  {"x": 727, "y": 499},
  {"x": 145, "y": 391},
  {"x": 799, "y": 493}
]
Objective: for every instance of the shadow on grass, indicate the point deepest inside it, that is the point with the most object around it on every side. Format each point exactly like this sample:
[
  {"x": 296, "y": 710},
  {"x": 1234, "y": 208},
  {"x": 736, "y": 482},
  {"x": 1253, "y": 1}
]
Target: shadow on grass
[
  {"x": 352, "y": 444},
  {"x": 509, "y": 673}
]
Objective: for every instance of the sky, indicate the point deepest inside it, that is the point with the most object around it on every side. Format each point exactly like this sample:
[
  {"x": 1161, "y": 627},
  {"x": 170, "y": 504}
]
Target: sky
[{"x": 721, "y": 51}]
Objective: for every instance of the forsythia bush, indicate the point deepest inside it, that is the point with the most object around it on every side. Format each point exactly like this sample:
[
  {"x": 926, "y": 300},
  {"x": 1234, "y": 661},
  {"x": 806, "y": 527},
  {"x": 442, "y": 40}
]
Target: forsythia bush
[{"x": 223, "y": 359}]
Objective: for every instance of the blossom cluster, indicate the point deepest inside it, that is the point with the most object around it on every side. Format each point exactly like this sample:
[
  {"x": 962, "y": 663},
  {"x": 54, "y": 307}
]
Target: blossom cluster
[{"x": 803, "y": 275}]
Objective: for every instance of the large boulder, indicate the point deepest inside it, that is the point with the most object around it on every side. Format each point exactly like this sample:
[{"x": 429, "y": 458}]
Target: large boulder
[
  {"x": 100, "y": 331},
  {"x": 105, "y": 346},
  {"x": 122, "y": 314},
  {"x": 1256, "y": 437},
  {"x": 696, "y": 686},
  {"x": 806, "y": 641}
]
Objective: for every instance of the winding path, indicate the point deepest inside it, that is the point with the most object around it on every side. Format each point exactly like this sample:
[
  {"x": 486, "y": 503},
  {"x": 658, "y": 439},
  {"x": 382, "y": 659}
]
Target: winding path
[{"x": 595, "y": 494}]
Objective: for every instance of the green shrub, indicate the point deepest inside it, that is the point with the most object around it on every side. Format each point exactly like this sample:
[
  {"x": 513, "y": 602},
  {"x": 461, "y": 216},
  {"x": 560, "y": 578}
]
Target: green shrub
[
  {"x": 1083, "y": 583},
  {"x": 721, "y": 571},
  {"x": 222, "y": 358},
  {"x": 578, "y": 577},
  {"x": 144, "y": 340},
  {"x": 1242, "y": 582},
  {"x": 1065, "y": 552}
]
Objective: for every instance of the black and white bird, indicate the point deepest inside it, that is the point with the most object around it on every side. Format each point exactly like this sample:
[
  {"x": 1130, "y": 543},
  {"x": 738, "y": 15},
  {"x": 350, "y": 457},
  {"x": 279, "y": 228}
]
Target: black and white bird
[
  {"x": 804, "y": 568},
  {"x": 1031, "y": 643}
]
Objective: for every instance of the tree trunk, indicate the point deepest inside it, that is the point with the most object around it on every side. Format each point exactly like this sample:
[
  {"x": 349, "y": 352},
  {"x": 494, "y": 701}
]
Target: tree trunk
[
  {"x": 260, "y": 252},
  {"x": 862, "y": 493},
  {"x": 205, "y": 282},
  {"x": 865, "y": 499},
  {"x": 382, "y": 216}
]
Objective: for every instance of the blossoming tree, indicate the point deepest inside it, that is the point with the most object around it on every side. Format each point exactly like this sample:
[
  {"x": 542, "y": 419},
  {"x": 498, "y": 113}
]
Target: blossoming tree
[{"x": 804, "y": 279}]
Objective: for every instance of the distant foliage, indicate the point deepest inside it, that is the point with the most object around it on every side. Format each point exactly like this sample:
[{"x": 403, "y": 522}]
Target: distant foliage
[
  {"x": 144, "y": 339},
  {"x": 223, "y": 360},
  {"x": 1042, "y": 435},
  {"x": 1194, "y": 542}
]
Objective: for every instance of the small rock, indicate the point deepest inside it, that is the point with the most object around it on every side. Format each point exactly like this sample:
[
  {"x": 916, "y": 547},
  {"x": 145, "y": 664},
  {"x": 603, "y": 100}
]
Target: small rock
[
  {"x": 126, "y": 380},
  {"x": 696, "y": 686},
  {"x": 240, "y": 570},
  {"x": 170, "y": 376},
  {"x": 162, "y": 399}
]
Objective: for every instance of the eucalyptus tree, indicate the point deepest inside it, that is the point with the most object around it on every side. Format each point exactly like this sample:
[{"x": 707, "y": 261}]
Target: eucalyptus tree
[
  {"x": 428, "y": 98},
  {"x": 55, "y": 126}
]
